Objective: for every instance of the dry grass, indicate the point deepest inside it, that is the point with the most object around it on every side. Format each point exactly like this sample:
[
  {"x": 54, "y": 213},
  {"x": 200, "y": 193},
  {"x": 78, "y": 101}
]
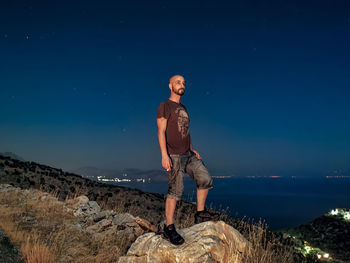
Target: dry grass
[
  {"x": 35, "y": 253},
  {"x": 41, "y": 227},
  {"x": 264, "y": 246}
]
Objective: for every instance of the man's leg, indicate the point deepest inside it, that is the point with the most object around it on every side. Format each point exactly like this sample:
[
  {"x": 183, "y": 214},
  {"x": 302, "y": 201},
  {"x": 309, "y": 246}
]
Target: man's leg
[
  {"x": 197, "y": 170},
  {"x": 174, "y": 193},
  {"x": 201, "y": 197},
  {"x": 170, "y": 205}
]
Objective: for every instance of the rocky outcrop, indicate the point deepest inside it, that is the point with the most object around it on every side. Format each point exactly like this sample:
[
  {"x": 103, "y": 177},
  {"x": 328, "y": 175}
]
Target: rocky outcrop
[
  {"x": 205, "y": 242},
  {"x": 91, "y": 218},
  {"x": 101, "y": 223}
]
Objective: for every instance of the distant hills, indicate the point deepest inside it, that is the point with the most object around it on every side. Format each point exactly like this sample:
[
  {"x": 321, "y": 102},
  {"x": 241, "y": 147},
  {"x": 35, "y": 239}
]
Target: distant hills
[
  {"x": 12, "y": 155},
  {"x": 109, "y": 175},
  {"x": 67, "y": 184}
]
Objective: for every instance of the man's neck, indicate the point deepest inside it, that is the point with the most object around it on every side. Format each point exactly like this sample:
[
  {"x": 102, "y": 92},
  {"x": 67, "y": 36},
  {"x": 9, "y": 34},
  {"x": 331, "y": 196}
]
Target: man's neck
[{"x": 175, "y": 99}]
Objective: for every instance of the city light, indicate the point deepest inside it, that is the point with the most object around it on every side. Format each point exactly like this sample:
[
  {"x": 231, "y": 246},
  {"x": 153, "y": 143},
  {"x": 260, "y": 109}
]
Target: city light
[
  {"x": 316, "y": 251},
  {"x": 334, "y": 212},
  {"x": 344, "y": 213}
]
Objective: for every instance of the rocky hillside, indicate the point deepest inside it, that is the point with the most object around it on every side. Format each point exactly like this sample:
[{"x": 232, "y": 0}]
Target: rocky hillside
[
  {"x": 65, "y": 185},
  {"x": 329, "y": 232},
  {"x": 34, "y": 175},
  {"x": 78, "y": 231}
]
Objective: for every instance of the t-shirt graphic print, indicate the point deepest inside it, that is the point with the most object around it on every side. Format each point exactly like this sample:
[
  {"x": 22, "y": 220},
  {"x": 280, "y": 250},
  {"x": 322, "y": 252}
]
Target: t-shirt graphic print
[
  {"x": 177, "y": 131},
  {"x": 182, "y": 121}
]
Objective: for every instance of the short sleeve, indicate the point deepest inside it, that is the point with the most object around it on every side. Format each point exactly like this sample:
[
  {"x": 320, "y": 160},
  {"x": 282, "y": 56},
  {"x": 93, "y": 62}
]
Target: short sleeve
[{"x": 163, "y": 111}]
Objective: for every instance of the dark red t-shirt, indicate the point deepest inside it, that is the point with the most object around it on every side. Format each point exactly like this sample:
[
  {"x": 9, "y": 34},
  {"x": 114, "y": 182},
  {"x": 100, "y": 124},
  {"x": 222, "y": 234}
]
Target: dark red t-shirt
[{"x": 177, "y": 131}]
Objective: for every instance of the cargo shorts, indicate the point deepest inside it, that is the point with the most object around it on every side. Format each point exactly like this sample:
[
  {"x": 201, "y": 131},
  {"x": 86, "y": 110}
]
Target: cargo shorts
[{"x": 191, "y": 165}]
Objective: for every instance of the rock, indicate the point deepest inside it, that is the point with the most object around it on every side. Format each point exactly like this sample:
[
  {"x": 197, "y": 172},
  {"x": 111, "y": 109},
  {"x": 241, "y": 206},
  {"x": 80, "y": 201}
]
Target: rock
[
  {"x": 86, "y": 209},
  {"x": 122, "y": 219},
  {"x": 204, "y": 242},
  {"x": 82, "y": 199},
  {"x": 94, "y": 206},
  {"x": 7, "y": 188},
  {"x": 99, "y": 227},
  {"x": 146, "y": 225},
  {"x": 101, "y": 215}
]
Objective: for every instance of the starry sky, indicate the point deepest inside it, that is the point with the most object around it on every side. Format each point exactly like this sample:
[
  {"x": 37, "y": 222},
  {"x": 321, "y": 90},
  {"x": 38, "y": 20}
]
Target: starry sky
[{"x": 267, "y": 83}]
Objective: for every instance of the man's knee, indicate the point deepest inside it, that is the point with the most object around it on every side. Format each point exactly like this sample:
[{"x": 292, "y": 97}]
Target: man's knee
[{"x": 204, "y": 181}]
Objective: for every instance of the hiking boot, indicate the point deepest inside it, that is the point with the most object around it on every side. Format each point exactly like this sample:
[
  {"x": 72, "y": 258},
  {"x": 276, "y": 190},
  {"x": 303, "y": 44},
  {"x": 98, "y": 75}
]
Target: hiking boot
[
  {"x": 205, "y": 215},
  {"x": 172, "y": 236}
]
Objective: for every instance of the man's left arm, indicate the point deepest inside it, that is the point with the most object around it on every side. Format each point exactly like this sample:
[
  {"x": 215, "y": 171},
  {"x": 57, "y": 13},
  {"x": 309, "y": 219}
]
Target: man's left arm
[{"x": 191, "y": 148}]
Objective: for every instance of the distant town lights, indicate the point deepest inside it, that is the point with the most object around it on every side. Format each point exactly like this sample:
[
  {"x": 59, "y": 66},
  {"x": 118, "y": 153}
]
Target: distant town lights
[
  {"x": 347, "y": 215},
  {"x": 340, "y": 212},
  {"x": 308, "y": 249},
  {"x": 312, "y": 250},
  {"x": 334, "y": 212}
]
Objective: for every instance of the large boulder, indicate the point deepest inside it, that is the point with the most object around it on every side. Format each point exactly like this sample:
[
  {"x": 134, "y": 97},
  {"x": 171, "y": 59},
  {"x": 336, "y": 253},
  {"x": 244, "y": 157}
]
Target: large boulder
[{"x": 204, "y": 242}]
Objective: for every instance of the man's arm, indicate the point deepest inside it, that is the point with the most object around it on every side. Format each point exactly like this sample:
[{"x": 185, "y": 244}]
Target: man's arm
[{"x": 166, "y": 161}]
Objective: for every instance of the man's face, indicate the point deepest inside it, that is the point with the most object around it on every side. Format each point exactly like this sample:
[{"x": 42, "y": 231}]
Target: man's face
[{"x": 178, "y": 85}]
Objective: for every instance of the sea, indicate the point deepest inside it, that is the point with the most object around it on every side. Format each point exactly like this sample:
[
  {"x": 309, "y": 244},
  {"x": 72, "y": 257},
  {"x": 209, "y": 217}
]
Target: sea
[{"x": 282, "y": 202}]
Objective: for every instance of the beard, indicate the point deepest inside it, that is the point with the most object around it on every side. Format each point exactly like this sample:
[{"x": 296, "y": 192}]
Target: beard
[{"x": 179, "y": 92}]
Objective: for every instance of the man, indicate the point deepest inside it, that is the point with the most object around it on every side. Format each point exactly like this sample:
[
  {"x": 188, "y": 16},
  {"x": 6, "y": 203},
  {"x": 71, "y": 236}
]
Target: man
[{"x": 178, "y": 157}]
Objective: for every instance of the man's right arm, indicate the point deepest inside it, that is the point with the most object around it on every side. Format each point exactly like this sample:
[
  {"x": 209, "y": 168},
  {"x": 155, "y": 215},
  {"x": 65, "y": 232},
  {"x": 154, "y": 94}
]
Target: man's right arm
[{"x": 166, "y": 161}]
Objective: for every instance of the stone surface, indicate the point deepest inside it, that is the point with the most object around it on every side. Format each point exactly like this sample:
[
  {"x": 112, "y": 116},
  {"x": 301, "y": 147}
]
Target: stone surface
[
  {"x": 145, "y": 224},
  {"x": 205, "y": 242},
  {"x": 86, "y": 209},
  {"x": 82, "y": 199},
  {"x": 6, "y": 188},
  {"x": 122, "y": 219}
]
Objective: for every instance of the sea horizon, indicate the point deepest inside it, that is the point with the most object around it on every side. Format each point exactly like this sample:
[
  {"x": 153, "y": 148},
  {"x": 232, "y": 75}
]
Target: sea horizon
[{"x": 280, "y": 202}]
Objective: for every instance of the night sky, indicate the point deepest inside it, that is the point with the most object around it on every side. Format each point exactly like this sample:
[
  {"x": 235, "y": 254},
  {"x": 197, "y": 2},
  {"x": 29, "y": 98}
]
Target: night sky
[{"x": 267, "y": 83}]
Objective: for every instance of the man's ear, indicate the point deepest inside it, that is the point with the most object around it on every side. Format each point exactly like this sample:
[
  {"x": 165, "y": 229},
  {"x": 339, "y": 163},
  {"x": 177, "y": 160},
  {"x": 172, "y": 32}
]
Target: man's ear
[{"x": 170, "y": 86}]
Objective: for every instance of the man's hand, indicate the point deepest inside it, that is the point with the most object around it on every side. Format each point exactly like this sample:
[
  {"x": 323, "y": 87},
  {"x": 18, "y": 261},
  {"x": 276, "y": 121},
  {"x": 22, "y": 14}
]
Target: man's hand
[
  {"x": 166, "y": 162},
  {"x": 197, "y": 154}
]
